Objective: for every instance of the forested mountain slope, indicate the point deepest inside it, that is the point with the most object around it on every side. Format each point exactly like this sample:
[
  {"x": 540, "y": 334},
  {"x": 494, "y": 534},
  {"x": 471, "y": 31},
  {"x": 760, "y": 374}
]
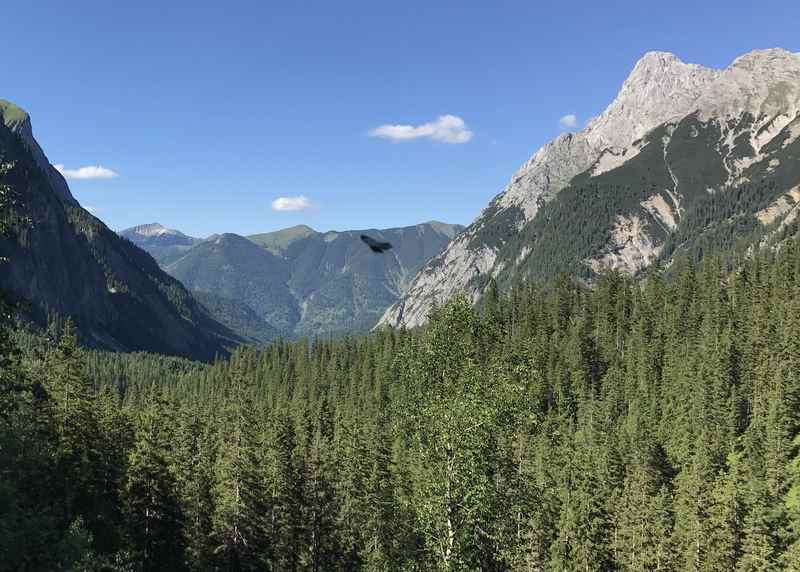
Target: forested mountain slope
[
  {"x": 685, "y": 160},
  {"x": 638, "y": 425},
  {"x": 230, "y": 266},
  {"x": 62, "y": 260},
  {"x": 297, "y": 281}
]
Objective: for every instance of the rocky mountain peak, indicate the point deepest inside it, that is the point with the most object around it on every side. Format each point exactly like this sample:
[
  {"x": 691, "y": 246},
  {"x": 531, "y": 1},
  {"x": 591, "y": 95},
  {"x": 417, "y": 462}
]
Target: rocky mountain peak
[
  {"x": 654, "y": 63},
  {"x": 152, "y": 229},
  {"x": 448, "y": 230},
  {"x": 13, "y": 115},
  {"x": 763, "y": 83},
  {"x": 660, "y": 87},
  {"x": 69, "y": 263},
  {"x": 660, "y": 90},
  {"x": 767, "y": 57},
  {"x": 19, "y": 122}
]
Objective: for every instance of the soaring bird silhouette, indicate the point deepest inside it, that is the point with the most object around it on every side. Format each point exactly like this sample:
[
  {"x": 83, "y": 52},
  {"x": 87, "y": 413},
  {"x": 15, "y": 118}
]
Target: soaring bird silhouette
[{"x": 374, "y": 245}]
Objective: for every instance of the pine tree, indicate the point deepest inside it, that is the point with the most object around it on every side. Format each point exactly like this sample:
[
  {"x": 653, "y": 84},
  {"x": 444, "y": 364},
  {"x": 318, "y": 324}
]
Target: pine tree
[
  {"x": 725, "y": 514},
  {"x": 690, "y": 536},
  {"x": 323, "y": 533},
  {"x": 643, "y": 522},
  {"x": 155, "y": 519},
  {"x": 284, "y": 489},
  {"x": 582, "y": 542},
  {"x": 790, "y": 559},
  {"x": 194, "y": 458},
  {"x": 116, "y": 438},
  {"x": 73, "y": 413},
  {"x": 238, "y": 527}
]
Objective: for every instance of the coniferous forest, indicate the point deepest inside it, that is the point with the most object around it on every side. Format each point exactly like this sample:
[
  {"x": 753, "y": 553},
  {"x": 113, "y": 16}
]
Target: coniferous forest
[{"x": 637, "y": 425}]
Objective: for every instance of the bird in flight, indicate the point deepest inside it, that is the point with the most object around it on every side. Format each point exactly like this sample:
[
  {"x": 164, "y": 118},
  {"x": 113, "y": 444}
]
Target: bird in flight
[{"x": 374, "y": 245}]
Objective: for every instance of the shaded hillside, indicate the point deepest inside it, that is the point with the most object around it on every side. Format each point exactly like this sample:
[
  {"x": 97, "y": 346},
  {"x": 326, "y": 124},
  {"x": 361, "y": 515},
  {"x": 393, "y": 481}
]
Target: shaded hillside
[
  {"x": 230, "y": 266},
  {"x": 342, "y": 286},
  {"x": 299, "y": 281},
  {"x": 238, "y": 317},
  {"x": 63, "y": 260}
]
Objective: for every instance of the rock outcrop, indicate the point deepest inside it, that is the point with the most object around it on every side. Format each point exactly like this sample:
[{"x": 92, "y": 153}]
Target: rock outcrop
[{"x": 744, "y": 108}]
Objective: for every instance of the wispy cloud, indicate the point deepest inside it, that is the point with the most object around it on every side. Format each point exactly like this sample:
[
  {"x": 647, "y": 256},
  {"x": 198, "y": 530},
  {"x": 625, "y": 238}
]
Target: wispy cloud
[
  {"x": 446, "y": 129},
  {"x": 93, "y": 210},
  {"x": 568, "y": 121},
  {"x": 88, "y": 172},
  {"x": 299, "y": 203}
]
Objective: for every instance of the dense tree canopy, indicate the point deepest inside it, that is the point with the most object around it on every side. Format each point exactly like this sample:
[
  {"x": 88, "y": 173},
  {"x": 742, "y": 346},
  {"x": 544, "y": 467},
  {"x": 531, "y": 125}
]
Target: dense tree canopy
[{"x": 637, "y": 425}]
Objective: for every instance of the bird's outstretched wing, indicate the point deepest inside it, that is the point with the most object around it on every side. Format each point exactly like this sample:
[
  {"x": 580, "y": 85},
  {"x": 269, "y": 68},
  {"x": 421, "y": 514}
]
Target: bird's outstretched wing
[{"x": 374, "y": 245}]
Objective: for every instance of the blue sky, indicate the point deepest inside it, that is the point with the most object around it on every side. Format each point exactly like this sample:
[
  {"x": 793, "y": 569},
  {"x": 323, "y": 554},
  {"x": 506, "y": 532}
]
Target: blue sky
[{"x": 210, "y": 111}]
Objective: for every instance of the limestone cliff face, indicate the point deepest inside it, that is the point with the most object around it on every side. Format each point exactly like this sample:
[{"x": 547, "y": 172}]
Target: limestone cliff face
[
  {"x": 62, "y": 260},
  {"x": 738, "y": 112}
]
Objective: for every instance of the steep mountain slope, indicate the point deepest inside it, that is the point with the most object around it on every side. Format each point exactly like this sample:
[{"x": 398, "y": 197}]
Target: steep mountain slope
[
  {"x": 61, "y": 259},
  {"x": 231, "y": 266},
  {"x": 684, "y": 159},
  {"x": 342, "y": 286},
  {"x": 18, "y": 121},
  {"x": 164, "y": 244},
  {"x": 238, "y": 317},
  {"x": 297, "y": 281}
]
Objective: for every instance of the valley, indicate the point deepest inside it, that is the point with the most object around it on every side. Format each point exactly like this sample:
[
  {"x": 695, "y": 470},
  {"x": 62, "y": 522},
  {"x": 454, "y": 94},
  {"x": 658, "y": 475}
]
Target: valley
[
  {"x": 601, "y": 373},
  {"x": 298, "y": 281}
]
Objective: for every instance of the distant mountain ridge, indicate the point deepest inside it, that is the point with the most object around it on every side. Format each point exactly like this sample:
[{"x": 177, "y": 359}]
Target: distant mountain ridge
[
  {"x": 278, "y": 241},
  {"x": 296, "y": 281},
  {"x": 686, "y": 159},
  {"x": 164, "y": 244},
  {"x": 63, "y": 260},
  {"x": 155, "y": 230}
]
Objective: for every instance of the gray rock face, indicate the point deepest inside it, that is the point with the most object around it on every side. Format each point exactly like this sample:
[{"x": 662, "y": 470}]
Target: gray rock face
[{"x": 764, "y": 85}]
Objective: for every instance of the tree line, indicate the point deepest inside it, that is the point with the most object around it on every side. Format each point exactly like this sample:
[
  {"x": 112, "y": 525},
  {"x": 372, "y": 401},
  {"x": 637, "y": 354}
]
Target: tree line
[{"x": 634, "y": 426}]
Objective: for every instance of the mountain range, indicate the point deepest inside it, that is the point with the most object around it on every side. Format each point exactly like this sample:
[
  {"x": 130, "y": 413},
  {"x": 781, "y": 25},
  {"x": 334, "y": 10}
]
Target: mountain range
[
  {"x": 59, "y": 260},
  {"x": 685, "y": 160},
  {"x": 295, "y": 281}
]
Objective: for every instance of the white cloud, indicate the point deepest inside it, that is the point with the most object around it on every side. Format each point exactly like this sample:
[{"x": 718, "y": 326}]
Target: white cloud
[
  {"x": 89, "y": 172},
  {"x": 568, "y": 121},
  {"x": 93, "y": 210},
  {"x": 299, "y": 203},
  {"x": 446, "y": 129}
]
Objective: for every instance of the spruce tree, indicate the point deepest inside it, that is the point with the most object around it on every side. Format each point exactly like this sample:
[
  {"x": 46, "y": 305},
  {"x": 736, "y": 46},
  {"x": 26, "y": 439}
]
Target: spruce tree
[
  {"x": 155, "y": 519},
  {"x": 238, "y": 526}
]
